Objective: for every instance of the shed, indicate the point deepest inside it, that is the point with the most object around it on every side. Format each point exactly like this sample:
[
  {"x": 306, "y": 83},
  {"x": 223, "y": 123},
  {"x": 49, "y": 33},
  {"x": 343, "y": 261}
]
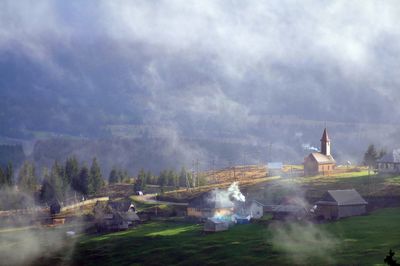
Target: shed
[
  {"x": 338, "y": 204},
  {"x": 215, "y": 225}
]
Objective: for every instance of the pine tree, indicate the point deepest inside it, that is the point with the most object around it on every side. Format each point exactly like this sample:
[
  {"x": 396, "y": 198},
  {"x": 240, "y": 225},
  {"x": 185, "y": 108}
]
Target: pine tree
[
  {"x": 71, "y": 172},
  {"x": 56, "y": 181},
  {"x": 142, "y": 178},
  {"x": 95, "y": 179},
  {"x": 370, "y": 156},
  {"x": 149, "y": 178},
  {"x": 84, "y": 180},
  {"x": 113, "y": 177},
  {"x": 162, "y": 180},
  {"x": 182, "y": 177},
  {"x": 9, "y": 174},
  {"x": 2, "y": 178},
  {"x": 27, "y": 180},
  {"x": 46, "y": 191}
]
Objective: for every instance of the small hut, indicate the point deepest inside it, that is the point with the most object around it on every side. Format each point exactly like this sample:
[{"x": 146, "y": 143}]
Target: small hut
[
  {"x": 338, "y": 204},
  {"x": 215, "y": 225}
]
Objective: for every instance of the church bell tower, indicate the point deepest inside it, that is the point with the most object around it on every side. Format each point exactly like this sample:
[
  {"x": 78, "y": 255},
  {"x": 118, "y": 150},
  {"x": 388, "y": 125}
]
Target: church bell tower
[{"x": 325, "y": 143}]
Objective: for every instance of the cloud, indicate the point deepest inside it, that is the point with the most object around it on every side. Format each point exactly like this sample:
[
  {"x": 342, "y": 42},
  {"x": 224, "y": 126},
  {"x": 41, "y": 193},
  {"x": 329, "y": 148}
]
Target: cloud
[{"x": 200, "y": 67}]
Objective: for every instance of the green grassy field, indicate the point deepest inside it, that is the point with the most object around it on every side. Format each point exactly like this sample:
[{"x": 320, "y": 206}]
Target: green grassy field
[{"x": 363, "y": 240}]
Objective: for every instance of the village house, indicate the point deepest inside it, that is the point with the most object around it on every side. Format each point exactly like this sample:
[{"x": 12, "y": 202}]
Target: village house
[
  {"x": 390, "y": 163},
  {"x": 208, "y": 205},
  {"x": 115, "y": 215},
  {"x": 338, "y": 204},
  {"x": 320, "y": 162}
]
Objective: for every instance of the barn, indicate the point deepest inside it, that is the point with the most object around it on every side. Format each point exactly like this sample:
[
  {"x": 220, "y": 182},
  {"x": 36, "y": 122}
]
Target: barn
[
  {"x": 320, "y": 162},
  {"x": 338, "y": 204}
]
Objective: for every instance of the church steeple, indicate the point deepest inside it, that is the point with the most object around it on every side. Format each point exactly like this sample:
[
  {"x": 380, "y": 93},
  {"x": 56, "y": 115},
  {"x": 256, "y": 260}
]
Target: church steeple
[{"x": 325, "y": 143}]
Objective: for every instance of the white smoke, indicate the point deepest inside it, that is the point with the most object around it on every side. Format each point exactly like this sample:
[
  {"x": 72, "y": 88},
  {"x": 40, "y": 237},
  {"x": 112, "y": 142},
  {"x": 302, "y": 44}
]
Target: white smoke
[
  {"x": 308, "y": 147},
  {"x": 227, "y": 197},
  {"x": 234, "y": 192}
]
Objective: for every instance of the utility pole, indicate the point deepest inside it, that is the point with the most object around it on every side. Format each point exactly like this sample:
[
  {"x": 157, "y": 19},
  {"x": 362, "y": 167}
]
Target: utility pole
[
  {"x": 197, "y": 173},
  {"x": 193, "y": 174},
  {"x": 213, "y": 171},
  {"x": 187, "y": 181}
]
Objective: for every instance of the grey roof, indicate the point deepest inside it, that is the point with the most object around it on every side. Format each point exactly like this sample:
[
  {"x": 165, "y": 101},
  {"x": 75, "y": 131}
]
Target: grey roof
[
  {"x": 391, "y": 157},
  {"x": 322, "y": 158},
  {"x": 343, "y": 197},
  {"x": 210, "y": 200}
]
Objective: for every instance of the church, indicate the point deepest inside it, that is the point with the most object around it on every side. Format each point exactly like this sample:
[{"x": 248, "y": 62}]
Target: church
[{"x": 320, "y": 162}]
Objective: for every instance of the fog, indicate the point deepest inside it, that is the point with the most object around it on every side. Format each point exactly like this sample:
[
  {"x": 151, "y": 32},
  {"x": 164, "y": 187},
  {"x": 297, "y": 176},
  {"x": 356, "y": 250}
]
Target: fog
[{"x": 252, "y": 73}]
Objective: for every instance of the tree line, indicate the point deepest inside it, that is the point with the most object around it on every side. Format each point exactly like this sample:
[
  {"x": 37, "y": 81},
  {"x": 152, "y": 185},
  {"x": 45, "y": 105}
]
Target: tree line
[
  {"x": 59, "y": 182},
  {"x": 169, "y": 178}
]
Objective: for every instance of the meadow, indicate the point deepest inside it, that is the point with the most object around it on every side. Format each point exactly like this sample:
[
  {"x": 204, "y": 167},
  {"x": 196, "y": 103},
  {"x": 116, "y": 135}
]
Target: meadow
[{"x": 363, "y": 240}]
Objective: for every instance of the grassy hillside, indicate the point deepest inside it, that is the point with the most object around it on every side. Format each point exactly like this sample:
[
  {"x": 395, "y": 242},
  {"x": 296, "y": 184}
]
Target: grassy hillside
[{"x": 355, "y": 241}]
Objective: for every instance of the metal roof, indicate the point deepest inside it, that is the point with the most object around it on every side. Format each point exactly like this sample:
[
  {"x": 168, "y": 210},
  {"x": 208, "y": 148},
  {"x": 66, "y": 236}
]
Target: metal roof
[
  {"x": 392, "y": 157},
  {"x": 343, "y": 197},
  {"x": 325, "y": 136},
  {"x": 322, "y": 158}
]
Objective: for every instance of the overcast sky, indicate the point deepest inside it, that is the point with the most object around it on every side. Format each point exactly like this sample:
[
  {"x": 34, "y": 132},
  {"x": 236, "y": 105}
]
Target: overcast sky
[{"x": 211, "y": 60}]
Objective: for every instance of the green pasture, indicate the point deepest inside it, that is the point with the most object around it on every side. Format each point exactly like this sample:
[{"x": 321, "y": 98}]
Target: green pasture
[{"x": 363, "y": 240}]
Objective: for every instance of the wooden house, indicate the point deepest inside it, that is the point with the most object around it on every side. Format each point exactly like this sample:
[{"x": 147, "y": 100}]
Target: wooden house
[
  {"x": 320, "y": 162},
  {"x": 115, "y": 215},
  {"x": 390, "y": 163},
  {"x": 338, "y": 204}
]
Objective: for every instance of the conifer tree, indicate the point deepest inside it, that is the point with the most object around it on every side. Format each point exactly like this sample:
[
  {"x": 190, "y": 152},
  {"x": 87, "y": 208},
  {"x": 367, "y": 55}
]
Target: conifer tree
[
  {"x": 83, "y": 180},
  {"x": 71, "y": 169},
  {"x": 9, "y": 174},
  {"x": 2, "y": 178},
  {"x": 56, "y": 181},
  {"x": 46, "y": 191},
  {"x": 113, "y": 177},
  {"x": 95, "y": 179},
  {"x": 27, "y": 180}
]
